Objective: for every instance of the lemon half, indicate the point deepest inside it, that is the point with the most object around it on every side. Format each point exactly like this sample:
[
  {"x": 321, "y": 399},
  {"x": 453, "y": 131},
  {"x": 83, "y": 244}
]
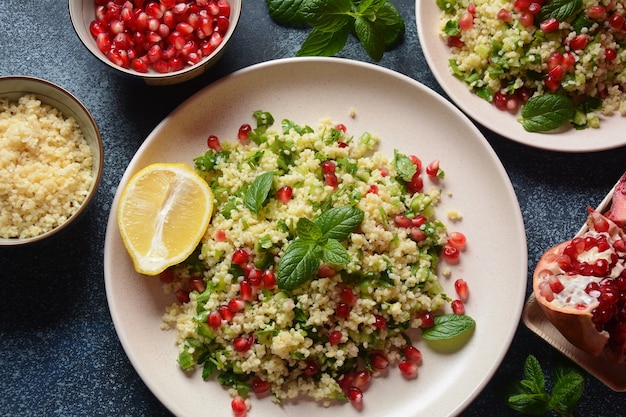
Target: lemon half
[{"x": 163, "y": 213}]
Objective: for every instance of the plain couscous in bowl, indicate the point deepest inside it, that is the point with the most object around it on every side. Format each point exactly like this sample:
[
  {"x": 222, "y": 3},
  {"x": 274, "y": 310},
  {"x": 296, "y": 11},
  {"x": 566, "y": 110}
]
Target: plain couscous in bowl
[
  {"x": 561, "y": 61},
  {"x": 320, "y": 261},
  {"x": 50, "y": 162}
]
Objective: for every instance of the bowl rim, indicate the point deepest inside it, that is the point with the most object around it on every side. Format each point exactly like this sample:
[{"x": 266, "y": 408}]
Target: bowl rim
[
  {"x": 77, "y": 18},
  {"x": 97, "y": 149}
]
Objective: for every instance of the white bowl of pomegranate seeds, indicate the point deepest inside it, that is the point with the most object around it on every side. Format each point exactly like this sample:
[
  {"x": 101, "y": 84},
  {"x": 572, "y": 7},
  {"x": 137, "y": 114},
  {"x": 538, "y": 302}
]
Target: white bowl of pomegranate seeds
[
  {"x": 162, "y": 42},
  {"x": 50, "y": 159}
]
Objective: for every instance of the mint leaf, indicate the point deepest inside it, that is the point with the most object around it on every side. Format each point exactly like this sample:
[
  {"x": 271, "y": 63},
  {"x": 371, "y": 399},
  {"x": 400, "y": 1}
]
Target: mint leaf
[
  {"x": 258, "y": 191},
  {"x": 308, "y": 231},
  {"x": 559, "y": 9},
  {"x": 532, "y": 404},
  {"x": 334, "y": 253},
  {"x": 320, "y": 43},
  {"x": 327, "y": 15},
  {"x": 404, "y": 166},
  {"x": 534, "y": 375},
  {"x": 448, "y": 326},
  {"x": 286, "y": 12},
  {"x": 547, "y": 112},
  {"x": 338, "y": 222},
  {"x": 567, "y": 392},
  {"x": 299, "y": 262},
  {"x": 370, "y": 36},
  {"x": 391, "y": 23}
]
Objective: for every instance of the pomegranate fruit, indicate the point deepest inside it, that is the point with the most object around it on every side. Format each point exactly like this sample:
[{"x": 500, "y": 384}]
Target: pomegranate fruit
[{"x": 580, "y": 284}]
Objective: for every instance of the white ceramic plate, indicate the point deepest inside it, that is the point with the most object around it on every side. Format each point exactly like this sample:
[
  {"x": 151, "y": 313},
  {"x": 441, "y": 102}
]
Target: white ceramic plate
[
  {"x": 610, "y": 134},
  {"x": 407, "y": 116}
]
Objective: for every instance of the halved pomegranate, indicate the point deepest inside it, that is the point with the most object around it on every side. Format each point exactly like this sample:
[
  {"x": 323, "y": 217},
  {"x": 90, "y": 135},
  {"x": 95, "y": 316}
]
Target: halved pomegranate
[{"x": 580, "y": 284}]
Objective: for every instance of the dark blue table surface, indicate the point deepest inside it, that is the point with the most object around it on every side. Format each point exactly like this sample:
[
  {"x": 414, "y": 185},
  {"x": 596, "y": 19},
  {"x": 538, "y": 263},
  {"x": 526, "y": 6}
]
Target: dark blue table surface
[{"x": 59, "y": 353}]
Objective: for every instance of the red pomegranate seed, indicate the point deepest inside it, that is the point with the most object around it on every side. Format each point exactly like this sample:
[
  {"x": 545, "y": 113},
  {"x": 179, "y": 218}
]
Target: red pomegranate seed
[
  {"x": 418, "y": 235},
  {"x": 225, "y": 312},
  {"x": 245, "y": 288},
  {"x": 451, "y": 254},
  {"x": 223, "y": 8},
  {"x": 616, "y": 21},
  {"x": 260, "y": 386},
  {"x": 378, "y": 360},
  {"x": 505, "y": 15},
  {"x": 213, "y": 142},
  {"x": 527, "y": 19},
  {"x": 334, "y": 337},
  {"x": 534, "y": 8},
  {"x": 243, "y": 344},
  {"x": 428, "y": 320},
  {"x": 236, "y": 305},
  {"x": 239, "y": 406},
  {"x": 455, "y": 41},
  {"x": 214, "y": 319},
  {"x": 103, "y": 41},
  {"x": 551, "y": 24},
  {"x": 328, "y": 167},
  {"x": 466, "y": 21},
  {"x": 284, "y": 194},
  {"x": 461, "y": 288},
  {"x": 347, "y": 296},
  {"x": 499, "y": 100},
  {"x": 521, "y": 5},
  {"x": 361, "y": 379},
  {"x": 432, "y": 169},
  {"x": 311, "y": 368},
  {"x": 342, "y": 310},
  {"x": 197, "y": 284},
  {"x": 408, "y": 369},
  {"x": 416, "y": 184},
  {"x": 401, "y": 220},
  {"x": 412, "y": 354},
  {"x": 597, "y": 12},
  {"x": 458, "y": 240},
  {"x": 326, "y": 271},
  {"x": 182, "y": 296},
  {"x": 355, "y": 396},
  {"x": 610, "y": 54},
  {"x": 458, "y": 307},
  {"x": 379, "y": 321},
  {"x": 244, "y": 131},
  {"x": 579, "y": 42},
  {"x": 241, "y": 256},
  {"x": 269, "y": 279},
  {"x": 373, "y": 189}
]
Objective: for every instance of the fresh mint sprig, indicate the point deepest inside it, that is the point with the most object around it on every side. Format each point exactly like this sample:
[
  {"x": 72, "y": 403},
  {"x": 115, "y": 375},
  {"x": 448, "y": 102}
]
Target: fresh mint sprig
[
  {"x": 377, "y": 24},
  {"x": 317, "y": 241},
  {"x": 530, "y": 396},
  {"x": 547, "y": 112}
]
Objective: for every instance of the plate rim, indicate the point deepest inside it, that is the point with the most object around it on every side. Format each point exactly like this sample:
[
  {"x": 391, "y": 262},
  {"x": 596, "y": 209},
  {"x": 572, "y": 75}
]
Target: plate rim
[{"x": 516, "y": 308}]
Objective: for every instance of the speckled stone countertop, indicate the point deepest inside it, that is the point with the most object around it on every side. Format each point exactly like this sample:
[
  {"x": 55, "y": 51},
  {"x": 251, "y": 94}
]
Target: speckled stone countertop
[{"x": 59, "y": 353}]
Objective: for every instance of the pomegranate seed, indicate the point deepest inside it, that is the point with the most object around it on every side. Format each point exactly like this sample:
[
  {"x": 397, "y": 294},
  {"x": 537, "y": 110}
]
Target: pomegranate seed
[
  {"x": 269, "y": 279},
  {"x": 553, "y": 83},
  {"x": 373, "y": 189},
  {"x": 505, "y": 15},
  {"x": 245, "y": 288},
  {"x": 458, "y": 240},
  {"x": 213, "y": 142},
  {"x": 355, "y": 396},
  {"x": 408, "y": 369},
  {"x": 416, "y": 184},
  {"x": 610, "y": 54},
  {"x": 225, "y": 312},
  {"x": 597, "y": 12},
  {"x": 222, "y": 24},
  {"x": 361, "y": 379},
  {"x": 432, "y": 169},
  {"x": 418, "y": 235},
  {"x": 402, "y": 220},
  {"x": 243, "y": 344},
  {"x": 239, "y": 406},
  {"x": 579, "y": 42},
  {"x": 342, "y": 310},
  {"x": 418, "y": 220},
  {"x": 428, "y": 320},
  {"x": 534, "y": 8},
  {"x": 214, "y": 319},
  {"x": 455, "y": 41},
  {"x": 260, "y": 386},
  {"x": 334, "y": 338},
  {"x": 284, "y": 194},
  {"x": 255, "y": 276},
  {"x": 348, "y": 297},
  {"x": 412, "y": 354},
  {"x": 311, "y": 368},
  {"x": 499, "y": 100},
  {"x": 379, "y": 321},
  {"x": 616, "y": 21},
  {"x": 103, "y": 41},
  {"x": 182, "y": 296},
  {"x": 527, "y": 19},
  {"x": 451, "y": 254},
  {"x": 240, "y": 256},
  {"x": 466, "y": 21},
  {"x": 461, "y": 288},
  {"x": 458, "y": 307},
  {"x": 551, "y": 24},
  {"x": 236, "y": 305},
  {"x": 555, "y": 284},
  {"x": 243, "y": 133},
  {"x": 139, "y": 65},
  {"x": 197, "y": 284},
  {"x": 378, "y": 360},
  {"x": 326, "y": 271},
  {"x": 328, "y": 167},
  {"x": 223, "y": 8},
  {"x": 521, "y": 5}
]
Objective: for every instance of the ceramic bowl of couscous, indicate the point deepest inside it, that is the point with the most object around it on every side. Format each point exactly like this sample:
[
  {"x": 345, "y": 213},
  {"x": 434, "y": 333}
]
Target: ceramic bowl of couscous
[{"x": 50, "y": 159}]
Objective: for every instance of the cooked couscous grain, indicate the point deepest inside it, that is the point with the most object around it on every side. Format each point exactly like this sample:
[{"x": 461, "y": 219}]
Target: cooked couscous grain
[{"x": 45, "y": 168}]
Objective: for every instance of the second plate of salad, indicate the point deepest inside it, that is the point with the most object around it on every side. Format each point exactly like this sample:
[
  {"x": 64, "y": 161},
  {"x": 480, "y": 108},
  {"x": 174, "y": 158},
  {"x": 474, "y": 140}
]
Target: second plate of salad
[{"x": 594, "y": 131}]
